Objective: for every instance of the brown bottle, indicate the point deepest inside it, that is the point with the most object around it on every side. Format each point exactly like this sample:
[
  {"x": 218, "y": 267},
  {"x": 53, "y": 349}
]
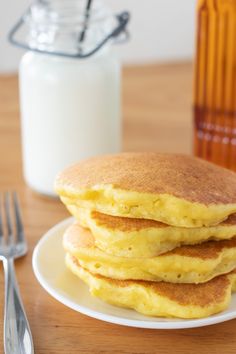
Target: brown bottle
[{"x": 215, "y": 82}]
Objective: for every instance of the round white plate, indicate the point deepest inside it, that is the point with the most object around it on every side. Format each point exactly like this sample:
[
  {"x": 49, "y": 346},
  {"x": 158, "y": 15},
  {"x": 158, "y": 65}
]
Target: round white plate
[{"x": 59, "y": 282}]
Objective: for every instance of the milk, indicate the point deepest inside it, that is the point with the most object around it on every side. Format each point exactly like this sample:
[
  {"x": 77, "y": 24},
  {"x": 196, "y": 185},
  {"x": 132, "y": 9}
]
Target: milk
[{"x": 70, "y": 110}]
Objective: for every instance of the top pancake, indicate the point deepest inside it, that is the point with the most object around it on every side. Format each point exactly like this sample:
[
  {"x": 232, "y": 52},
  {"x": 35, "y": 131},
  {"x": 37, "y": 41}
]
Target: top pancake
[{"x": 176, "y": 189}]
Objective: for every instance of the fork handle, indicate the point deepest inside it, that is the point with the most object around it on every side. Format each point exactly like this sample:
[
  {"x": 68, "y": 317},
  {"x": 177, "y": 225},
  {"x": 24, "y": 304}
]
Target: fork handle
[{"x": 17, "y": 334}]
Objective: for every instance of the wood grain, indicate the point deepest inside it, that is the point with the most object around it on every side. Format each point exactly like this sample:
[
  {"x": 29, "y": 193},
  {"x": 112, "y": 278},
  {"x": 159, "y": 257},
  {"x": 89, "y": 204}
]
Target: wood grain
[{"x": 157, "y": 116}]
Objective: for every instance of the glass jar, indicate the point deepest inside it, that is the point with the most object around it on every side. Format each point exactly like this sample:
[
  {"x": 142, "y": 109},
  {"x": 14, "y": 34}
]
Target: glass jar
[
  {"x": 215, "y": 77},
  {"x": 70, "y": 105}
]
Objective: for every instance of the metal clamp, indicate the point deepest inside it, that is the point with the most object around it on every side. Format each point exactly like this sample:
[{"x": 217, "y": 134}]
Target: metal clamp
[{"x": 122, "y": 18}]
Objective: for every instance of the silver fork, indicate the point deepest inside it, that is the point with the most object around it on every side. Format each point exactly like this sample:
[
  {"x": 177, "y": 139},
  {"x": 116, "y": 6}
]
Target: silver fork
[{"x": 17, "y": 334}]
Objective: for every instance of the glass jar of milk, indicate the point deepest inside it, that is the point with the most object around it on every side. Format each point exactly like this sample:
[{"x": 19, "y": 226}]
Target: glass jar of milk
[{"x": 69, "y": 87}]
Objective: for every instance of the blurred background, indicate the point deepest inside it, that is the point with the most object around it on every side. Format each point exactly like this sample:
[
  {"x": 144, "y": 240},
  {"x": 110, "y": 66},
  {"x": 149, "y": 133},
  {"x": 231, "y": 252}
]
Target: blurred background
[{"x": 161, "y": 31}]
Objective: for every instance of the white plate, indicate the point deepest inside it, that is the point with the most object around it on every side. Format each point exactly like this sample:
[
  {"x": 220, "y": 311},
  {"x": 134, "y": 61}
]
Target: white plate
[{"x": 50, "y": 270}]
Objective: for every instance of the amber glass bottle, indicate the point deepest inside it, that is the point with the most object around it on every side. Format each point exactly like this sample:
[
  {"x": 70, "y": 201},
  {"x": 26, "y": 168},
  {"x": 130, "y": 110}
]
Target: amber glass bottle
[{"x": 215, "y": 82}]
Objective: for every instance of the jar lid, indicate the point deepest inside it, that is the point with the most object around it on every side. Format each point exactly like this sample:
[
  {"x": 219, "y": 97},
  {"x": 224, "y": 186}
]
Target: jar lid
[{"x": 68, "y": 28}]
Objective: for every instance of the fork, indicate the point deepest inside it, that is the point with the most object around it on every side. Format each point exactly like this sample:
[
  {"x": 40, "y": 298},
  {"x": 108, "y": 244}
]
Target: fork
[{"x": 17, "y": 334}]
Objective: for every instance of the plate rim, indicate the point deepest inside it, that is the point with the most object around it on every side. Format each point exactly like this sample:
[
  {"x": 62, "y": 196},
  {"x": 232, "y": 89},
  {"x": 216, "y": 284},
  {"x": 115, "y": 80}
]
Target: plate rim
[{"x": 177, "y": 324}]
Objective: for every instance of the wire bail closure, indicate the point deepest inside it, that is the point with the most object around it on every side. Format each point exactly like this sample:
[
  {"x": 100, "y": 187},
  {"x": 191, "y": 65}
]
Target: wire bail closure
[{"x": 122, "y": 19}]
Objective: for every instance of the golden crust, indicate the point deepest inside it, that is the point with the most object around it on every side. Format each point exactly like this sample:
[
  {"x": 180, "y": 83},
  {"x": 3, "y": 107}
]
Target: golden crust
[
  {"x": 132, "y": 224},
  {"x": 182, "y": 176},
  {"x": 125, "y": 224},
  {"x": 205, "y": 250},
  {"x": 79, "y": 237},
  {"x": 194, "y": 294}
]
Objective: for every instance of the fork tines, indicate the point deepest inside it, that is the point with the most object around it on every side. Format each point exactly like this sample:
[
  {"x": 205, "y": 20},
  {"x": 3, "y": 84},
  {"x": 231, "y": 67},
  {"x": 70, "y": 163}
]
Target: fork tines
[{"x": 10, "y": 218}]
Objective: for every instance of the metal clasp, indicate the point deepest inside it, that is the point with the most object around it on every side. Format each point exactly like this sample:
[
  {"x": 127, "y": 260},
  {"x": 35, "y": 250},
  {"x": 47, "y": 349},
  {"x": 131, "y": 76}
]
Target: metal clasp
[{"x": 122, "y": 19}]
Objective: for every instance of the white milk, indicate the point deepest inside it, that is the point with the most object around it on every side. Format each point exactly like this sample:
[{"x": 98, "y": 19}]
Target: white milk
[{"x": 70, "y": 110}]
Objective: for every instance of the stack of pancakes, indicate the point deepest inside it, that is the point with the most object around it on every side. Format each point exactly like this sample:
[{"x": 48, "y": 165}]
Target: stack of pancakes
[{"x": 153, "y": 232}]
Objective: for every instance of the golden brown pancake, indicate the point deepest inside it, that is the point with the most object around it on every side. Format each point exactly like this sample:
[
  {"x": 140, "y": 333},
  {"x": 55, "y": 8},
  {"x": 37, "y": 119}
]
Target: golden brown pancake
[
  {"x": 178, "y": 190},
  {"x": 160, "y": 299},
  {"x": 130, "y": 237},
  {"x": 186, "y": 264}
]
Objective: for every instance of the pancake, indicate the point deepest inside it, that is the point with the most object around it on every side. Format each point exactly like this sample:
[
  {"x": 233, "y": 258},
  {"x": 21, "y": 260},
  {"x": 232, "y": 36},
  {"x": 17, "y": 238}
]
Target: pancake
[
  {"x": 178, "y": 190},
  {"x": 186, "y": 264},
  {"x": 160, "y": 299},
  {"x": 130, "y": 237}
]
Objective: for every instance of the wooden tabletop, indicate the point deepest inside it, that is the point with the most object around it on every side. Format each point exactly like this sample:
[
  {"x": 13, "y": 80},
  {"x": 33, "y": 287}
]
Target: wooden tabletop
[{"x": 157, "y": 116}]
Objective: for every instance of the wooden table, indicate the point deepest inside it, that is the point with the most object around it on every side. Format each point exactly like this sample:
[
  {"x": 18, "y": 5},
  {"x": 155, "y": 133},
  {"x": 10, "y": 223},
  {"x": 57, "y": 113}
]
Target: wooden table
[{"x": 157, "y": 116}]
